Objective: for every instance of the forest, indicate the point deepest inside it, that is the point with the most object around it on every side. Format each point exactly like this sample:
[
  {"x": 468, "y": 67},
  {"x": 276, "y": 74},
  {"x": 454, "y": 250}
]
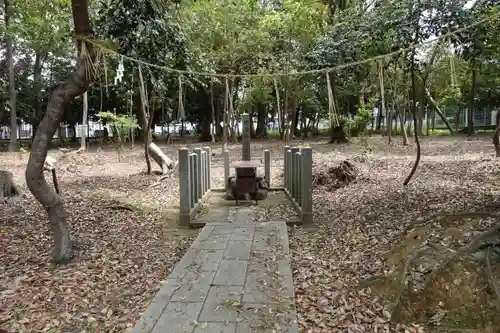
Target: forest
[
  {"x": 453, "y": 69},
  {"x": 399, "y": 99}
]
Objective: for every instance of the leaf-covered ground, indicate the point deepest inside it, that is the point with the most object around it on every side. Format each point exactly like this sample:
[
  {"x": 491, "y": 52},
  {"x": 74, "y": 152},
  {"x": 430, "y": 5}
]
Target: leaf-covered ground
[
  {"x": 127, "y": 239},
  {"x": 361, "y": 226}
]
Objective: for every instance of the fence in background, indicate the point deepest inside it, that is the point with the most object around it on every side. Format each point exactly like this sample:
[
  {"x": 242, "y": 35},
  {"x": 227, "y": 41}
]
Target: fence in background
[{"x": 298, "y": 180}]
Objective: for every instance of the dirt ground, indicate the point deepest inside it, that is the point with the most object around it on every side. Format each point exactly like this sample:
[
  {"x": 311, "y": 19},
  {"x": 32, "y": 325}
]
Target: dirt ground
[{"x": 127, "y": 236}]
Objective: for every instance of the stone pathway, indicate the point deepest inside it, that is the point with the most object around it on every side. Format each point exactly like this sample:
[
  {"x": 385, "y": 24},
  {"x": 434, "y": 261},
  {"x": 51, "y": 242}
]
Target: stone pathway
[{"x": 235, "y": 278}]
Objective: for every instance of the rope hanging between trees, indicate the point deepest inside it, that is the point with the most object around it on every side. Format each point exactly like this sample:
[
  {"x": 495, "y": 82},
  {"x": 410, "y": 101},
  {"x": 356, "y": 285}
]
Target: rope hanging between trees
[
  {"x": 298, "y": 73},
  {"x": 452, "y": 70},
  {"x": 331, "y": 103}
]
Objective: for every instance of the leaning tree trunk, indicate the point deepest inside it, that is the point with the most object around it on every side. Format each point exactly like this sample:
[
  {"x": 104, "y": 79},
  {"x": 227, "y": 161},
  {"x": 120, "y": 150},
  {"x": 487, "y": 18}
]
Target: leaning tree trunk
[
  {"x": 163, "y": 160},
  {"x": 438, "y": 110},
  {"x": 77, "y": 83}
]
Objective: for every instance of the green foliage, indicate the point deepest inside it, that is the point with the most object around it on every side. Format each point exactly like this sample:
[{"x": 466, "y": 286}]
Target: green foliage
[
  {"x": 235, "y": 36},
  {"x": 362, "y": 118},
  {"x": 348, "y": 125},
  {"x": 121, "y": 124}
]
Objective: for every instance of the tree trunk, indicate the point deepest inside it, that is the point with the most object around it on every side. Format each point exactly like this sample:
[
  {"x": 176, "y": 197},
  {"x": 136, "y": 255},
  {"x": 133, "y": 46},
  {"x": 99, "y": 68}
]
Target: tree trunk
[
  {"x": 163, "y": 160},
  {"x": 83, "y": 132},
  {"x": 205, "y": 135},
  {"x": 252, "y": 128},
  {"x": 13, "y": 145},
  {"x": 414, "y": 102},
  {"x": 145, "y": 120},
  {"x": 427, "y": 123},
  {"x": 433, "y": 124},
  {"x": 130, "y": 112},
  {"x": 382, "y": 101},
  {"x": 420, "y": 111},
  {"x": 470, "y": 114},
  {"x": 438, "y": 110},
  {"x": 379, "y": 119},
  {"x": 37, "y": 92},
  {"x": 402, "y": 115},
  {"x": 295, "y": 118},
  {"x": 213, "y": 124},
  {"x": 77, "y": 83},
  {"x": 218, "y": 128},
  {"x": 261, "y": 121},
  {"x": 496, "y": 141}
]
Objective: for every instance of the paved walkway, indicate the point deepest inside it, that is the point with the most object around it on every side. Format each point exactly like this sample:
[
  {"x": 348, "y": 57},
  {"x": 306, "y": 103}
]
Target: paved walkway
[{"x": 235, "y": 278}]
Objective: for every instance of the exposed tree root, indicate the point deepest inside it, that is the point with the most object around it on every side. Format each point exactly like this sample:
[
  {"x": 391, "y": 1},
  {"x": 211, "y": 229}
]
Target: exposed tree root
[
  {"x": 414, "y": 255},
  {"x": 442, "y": 215},
  {"x": 472, "y": 247},
  {"x": 121, "y": 207},
  {"x": 491, "y": 281}
]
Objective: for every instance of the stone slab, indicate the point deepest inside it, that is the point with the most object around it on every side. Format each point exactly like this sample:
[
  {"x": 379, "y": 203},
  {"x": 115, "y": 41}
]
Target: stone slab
[
  {"x": 222, "y": 304},
  {"x": 215, "y": 327},
  {"x": 235, "y": 278},
  {"x": 177, "y": 317},
  {"x": 231, "y": 272},
  {"x": 246, "y": 164},
  {"x": 238, "y": 250}
]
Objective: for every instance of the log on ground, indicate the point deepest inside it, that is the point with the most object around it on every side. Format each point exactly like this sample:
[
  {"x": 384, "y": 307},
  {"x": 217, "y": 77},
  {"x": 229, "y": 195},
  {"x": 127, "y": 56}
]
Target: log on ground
[{"x": 163, "y": 160}]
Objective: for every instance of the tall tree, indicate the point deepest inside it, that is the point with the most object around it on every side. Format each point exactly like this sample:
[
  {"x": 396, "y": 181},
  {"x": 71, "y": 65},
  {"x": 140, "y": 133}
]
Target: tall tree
[
  {"x": 12, "y": 82},
  {"x": 76, "y": 84}
]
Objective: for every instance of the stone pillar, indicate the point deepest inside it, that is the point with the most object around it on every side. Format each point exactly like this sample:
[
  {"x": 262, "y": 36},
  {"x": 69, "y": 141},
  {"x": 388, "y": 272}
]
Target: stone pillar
[
  {"x": 293, "y": 180},
  {"x": 306, "y": 160},
  {"x": 203, "y": 173},
  {"x": 245, "y": 137},
  {"x": 199, "y": 182},
  {"x": 184, "y": 188},
  {"x": 226, "y": 168},
  {"x": 209, "y": 167},
  {"x": 285, "y": 166},
  {"x": 296, "y": 175},
  {"x": 194, "y": 194},
  {"x": 299, "y": 178},
  {"x": 289, "y": 171},
  {"x": 267, "y": 166}
]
